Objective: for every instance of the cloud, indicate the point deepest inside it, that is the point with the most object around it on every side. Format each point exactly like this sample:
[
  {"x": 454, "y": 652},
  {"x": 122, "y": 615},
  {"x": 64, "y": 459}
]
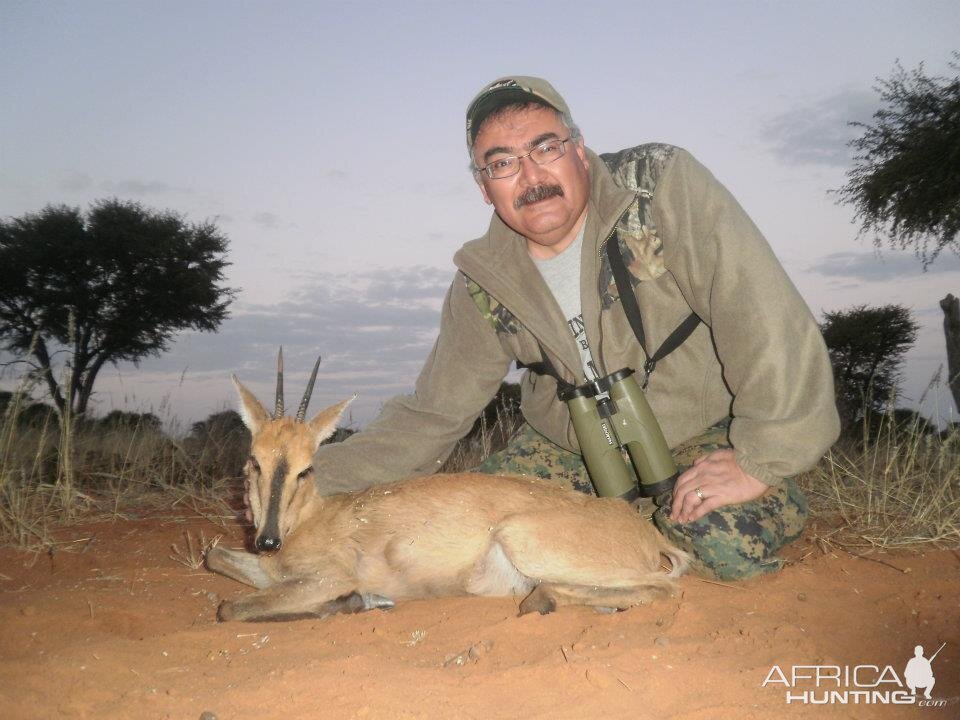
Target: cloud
[
  {"x": 818, "y": 133},
  {"x": 880, "y": 267},
  {"x": 143, "y": 187},
  {"x": 418, "y": 284},
  {"x": 409, "y": 284},
  {"x": 267, "y": 220},
  {"x": 76, "y": 182},
  {"x": 934, "y": 312},
  {"x": 374, "y": 330}
]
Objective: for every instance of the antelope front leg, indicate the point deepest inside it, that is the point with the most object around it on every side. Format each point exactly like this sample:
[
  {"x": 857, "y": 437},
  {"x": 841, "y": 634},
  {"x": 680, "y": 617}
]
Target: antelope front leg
[
  {"x": 299, "y": 599},
  {"x": 238, "y": 565}
]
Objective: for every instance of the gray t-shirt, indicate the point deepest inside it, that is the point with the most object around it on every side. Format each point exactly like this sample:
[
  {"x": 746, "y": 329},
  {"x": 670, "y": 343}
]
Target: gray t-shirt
[{"x": 562, "y": 275}]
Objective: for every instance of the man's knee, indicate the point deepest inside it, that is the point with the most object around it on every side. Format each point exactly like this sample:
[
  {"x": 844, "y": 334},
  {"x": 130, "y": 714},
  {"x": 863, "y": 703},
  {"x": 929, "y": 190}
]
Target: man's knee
[
  {"x": 740, "y": 541},
  {"x": 530, "y": 453}
]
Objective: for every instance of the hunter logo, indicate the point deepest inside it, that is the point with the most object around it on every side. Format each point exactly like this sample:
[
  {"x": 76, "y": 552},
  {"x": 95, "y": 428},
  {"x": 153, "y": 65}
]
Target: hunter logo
[
  {"x": 919, "y": 671},
  {"x": 859, "y": 684}
]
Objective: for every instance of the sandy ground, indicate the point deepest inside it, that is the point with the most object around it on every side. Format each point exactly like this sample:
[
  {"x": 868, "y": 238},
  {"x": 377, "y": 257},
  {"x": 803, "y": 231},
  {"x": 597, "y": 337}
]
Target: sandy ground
[{"x": 117, "y": 628}]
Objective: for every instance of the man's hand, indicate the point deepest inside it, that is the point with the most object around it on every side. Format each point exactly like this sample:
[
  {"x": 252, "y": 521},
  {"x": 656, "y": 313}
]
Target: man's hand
[{"x": 720, "y": 481}]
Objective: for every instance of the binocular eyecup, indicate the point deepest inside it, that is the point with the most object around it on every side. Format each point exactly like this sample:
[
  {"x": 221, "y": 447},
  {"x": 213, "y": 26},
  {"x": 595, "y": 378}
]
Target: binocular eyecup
[{"x": 611, "y": 413}]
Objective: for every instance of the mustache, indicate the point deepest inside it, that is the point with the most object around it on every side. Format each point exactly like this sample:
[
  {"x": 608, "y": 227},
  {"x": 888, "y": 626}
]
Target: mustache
[{"x": 536, "y": 194}]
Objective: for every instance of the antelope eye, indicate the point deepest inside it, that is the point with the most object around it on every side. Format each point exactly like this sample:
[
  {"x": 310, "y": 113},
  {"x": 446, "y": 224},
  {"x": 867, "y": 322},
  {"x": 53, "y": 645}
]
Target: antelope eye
[
  {"x": 254, "y": 464},
  {"x": 304, "y": 473}
]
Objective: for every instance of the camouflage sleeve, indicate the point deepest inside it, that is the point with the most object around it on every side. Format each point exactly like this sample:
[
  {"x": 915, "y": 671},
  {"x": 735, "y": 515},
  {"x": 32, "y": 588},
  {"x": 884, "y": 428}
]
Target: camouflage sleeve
[
  {"x": 499, "y": 318},
  {"x": 769, "y": 344},
  {"x": 414, "y": 434}
]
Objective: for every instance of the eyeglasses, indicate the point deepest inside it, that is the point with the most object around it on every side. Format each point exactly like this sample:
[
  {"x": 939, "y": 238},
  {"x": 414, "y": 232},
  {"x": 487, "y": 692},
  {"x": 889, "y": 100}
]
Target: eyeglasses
[{"x": 543, "y": 154}]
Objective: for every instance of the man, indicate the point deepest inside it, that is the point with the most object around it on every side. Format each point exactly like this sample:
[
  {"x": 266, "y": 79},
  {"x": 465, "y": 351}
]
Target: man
[{"x": 746, "y": 400}]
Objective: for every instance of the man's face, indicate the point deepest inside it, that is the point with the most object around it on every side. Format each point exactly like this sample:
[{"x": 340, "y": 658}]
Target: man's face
[{"x": 548, "y": 224}]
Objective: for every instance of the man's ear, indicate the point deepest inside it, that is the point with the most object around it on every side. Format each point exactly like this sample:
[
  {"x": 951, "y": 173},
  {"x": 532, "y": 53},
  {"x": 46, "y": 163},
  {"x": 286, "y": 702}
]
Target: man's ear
[
  {"x": 478, "y": 176},
  {"x": 582, "y": 152}
]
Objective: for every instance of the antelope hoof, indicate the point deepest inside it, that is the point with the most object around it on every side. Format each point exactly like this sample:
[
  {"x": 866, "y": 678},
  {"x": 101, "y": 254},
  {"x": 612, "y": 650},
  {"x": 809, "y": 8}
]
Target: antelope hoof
[
  {"x": 377, "y": 602},
  {"x": 226, "y": 611},
  {"x": 538, "y": 601},
  {"x": 212, "y": 556}
]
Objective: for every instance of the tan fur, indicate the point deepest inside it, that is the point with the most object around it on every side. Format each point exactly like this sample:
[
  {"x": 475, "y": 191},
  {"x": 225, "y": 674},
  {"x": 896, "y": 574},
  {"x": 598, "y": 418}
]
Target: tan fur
[{"x": 432, "y": 536}]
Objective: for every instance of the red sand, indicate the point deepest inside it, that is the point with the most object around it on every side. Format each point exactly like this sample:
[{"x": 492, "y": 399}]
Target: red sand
[{"x": 119, "y": 629}]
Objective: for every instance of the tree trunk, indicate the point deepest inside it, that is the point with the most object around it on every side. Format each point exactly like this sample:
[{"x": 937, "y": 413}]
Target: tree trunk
[
  {"x": 951, "y": 330},
  {"x": 43, "y": 358},
  {"x": 85, "y": 385}
]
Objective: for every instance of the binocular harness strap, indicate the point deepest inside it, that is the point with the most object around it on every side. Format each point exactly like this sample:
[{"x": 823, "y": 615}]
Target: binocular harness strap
[
  {"x": 546, "y": 367},
  {"x": 632, "y": 310}
]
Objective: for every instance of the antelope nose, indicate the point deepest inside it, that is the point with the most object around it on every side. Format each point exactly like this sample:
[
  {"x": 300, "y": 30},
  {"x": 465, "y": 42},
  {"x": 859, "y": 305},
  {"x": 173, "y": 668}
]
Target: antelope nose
[{"x": 268, "y": 544}]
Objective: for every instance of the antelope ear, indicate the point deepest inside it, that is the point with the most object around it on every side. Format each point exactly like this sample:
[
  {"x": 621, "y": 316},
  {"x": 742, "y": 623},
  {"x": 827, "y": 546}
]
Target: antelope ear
[
  {"x": 324, "y": 423},
  {"x": 251, "y": 411}
]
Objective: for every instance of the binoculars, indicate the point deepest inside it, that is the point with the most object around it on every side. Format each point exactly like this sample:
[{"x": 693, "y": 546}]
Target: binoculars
[{"x": 612, "y": 413}]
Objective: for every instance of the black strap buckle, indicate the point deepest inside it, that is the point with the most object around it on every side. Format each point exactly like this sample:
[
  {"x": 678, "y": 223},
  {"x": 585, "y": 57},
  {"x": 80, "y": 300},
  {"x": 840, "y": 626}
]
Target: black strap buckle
[{"x": 648, "y": 368}]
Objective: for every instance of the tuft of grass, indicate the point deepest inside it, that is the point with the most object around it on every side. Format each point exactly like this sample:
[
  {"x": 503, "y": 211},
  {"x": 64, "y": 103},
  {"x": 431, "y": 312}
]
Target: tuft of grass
[
  {"x": 490, "y": 434},
  {"x": 897, "y": 486},
  {"x": 194, "y": 551}
]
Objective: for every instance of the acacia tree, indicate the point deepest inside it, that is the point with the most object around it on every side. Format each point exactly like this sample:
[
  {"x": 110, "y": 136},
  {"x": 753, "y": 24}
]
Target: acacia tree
[
  {"x": 866, "y": 346},
  {"x": 905, "y": 182},
  {"x": 113, "y": 285}
]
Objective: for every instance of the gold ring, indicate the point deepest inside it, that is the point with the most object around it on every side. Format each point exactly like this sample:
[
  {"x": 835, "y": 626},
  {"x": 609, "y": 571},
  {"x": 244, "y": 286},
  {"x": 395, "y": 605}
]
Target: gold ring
[{"x": 699, "y": 493}]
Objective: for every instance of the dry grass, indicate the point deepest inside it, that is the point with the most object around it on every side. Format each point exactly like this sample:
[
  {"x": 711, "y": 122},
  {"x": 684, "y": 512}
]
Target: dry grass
[
  {"x": 194, "y": 550},
  {"x": 487, "y": 437},
  {"x": 895, "y": 487},
  {"x": 59, "y": 473}
]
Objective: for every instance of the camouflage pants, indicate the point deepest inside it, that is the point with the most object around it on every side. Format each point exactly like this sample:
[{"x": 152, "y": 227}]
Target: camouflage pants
[{"x": 732, "y": 542}]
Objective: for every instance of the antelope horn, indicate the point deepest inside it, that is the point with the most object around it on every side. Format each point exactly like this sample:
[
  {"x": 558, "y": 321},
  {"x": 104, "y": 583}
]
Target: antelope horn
[
  {"x": 302, "y": 412},
  {"x": 278, "y": 411}
]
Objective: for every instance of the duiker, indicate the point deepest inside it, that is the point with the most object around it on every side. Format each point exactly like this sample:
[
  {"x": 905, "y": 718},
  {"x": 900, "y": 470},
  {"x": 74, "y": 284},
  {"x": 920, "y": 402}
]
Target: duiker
[{"x": 429, "y": 536}]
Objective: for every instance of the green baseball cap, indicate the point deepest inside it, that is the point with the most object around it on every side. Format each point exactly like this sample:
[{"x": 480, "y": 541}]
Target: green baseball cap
[{"x": 506, "y": 90}]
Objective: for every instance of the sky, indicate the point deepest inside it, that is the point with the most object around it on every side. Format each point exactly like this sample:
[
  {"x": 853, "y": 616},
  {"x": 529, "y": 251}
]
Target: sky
[{"x": 326, "y": 141}]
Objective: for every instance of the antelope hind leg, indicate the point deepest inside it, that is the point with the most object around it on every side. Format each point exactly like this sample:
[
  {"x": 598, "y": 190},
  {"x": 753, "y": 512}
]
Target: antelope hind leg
[
  {"x": 238, "y": 565},
  {"x": 299, "y": 599},
  {"x": 547, "y": 597}
]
